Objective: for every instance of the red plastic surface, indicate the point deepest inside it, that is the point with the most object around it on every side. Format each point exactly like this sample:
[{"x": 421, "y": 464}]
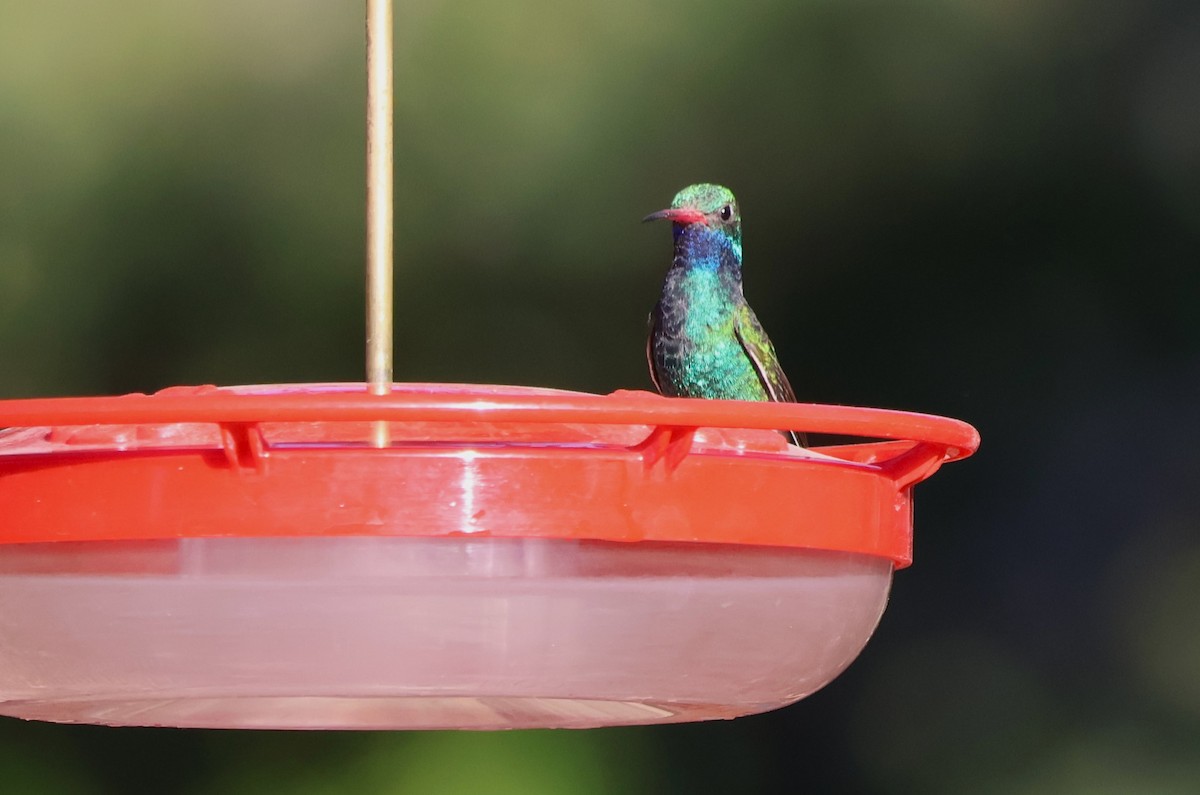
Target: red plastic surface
[{"x": 464, "y": 460}]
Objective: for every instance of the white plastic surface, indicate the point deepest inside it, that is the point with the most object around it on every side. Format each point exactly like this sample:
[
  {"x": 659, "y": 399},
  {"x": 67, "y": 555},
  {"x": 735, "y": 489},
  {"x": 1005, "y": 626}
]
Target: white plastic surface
[{"x": 372, "y": 633}]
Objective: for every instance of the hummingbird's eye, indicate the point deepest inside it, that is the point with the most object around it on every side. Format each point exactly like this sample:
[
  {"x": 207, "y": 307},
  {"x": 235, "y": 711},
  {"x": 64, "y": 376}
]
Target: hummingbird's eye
[{"x": 727, "y": 212}]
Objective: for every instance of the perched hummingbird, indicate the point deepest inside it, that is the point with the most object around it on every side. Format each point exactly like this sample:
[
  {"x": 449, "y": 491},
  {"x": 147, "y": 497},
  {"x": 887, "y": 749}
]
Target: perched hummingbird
[{"x": 705, "y": 341}]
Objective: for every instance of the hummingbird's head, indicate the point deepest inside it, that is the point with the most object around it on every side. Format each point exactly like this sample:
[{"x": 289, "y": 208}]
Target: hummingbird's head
[{"x": 710, "y": 205}]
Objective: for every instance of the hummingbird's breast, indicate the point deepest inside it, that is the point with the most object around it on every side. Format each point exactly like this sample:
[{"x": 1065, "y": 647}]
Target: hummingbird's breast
[{"x": 694, "y": 341}]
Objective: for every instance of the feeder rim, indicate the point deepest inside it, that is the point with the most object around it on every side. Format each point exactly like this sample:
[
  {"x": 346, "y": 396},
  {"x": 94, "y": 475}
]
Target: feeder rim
[{"x": 456, "y": 403}]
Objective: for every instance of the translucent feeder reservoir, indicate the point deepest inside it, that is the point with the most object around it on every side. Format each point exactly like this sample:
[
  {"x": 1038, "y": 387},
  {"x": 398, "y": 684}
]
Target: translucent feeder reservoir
[{"x": 512, "y": 558}]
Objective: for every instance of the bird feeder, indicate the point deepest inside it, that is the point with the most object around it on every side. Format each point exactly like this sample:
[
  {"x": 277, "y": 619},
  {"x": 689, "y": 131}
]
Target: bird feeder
[{"x": 379, "y": 555}]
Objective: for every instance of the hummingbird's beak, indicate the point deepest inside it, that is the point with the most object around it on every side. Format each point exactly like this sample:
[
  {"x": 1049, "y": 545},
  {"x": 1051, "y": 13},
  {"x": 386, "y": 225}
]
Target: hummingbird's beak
[{"x": 680, "y": 215}]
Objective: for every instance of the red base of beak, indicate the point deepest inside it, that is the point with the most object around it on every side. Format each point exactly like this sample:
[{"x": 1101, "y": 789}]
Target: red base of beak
[{"x": 681, "y": 215}]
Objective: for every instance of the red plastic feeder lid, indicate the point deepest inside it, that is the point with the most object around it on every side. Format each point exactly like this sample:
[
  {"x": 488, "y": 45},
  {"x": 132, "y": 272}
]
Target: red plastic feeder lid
[{"x": 296, "y": 460}]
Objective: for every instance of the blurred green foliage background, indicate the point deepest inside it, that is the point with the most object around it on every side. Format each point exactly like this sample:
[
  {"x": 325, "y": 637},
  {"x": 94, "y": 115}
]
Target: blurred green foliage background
[{"x": 989, "y": 210}]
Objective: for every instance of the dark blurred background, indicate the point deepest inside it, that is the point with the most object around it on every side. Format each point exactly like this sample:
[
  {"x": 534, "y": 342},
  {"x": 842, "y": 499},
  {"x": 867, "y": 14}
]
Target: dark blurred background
[{"x": 988, "y": 210}]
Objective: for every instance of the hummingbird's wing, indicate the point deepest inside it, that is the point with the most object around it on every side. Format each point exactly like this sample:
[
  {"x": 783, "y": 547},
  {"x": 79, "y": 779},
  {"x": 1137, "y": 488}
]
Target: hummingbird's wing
[
  {"x": 665, "y": 345},
  {"x": 650, "y": 358},
  {"x": 651, "y": 332},
  {"x": 758, "y": 347}
]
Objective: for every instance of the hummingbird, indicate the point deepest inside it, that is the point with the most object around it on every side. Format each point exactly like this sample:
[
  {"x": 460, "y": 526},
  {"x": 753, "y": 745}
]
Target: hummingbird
[{"x": 705, "y": 341}]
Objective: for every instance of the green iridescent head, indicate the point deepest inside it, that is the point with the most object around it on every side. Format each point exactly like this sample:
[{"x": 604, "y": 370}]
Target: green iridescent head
[{"x": 711, "y": 205}]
